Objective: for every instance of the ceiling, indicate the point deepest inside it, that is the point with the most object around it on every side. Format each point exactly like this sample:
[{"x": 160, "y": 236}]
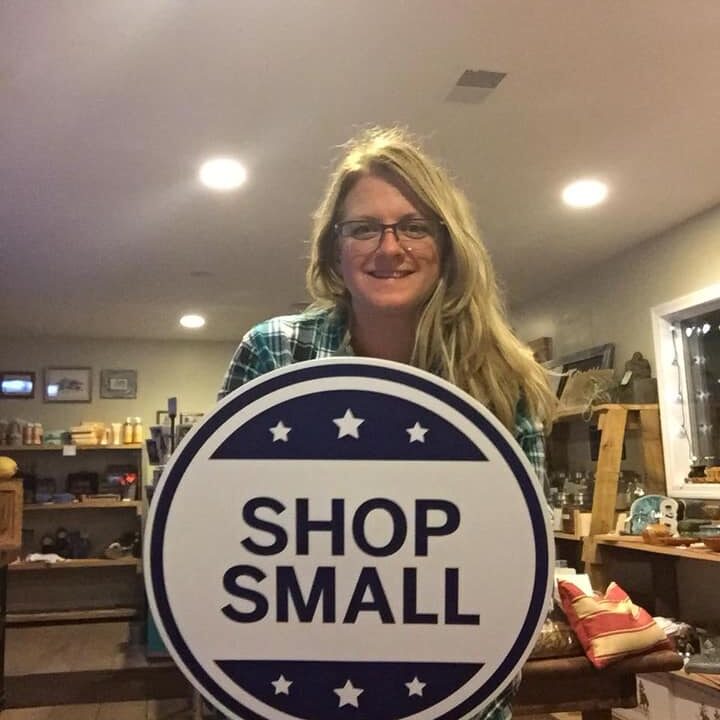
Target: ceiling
[{"x": 108, "y": 108}]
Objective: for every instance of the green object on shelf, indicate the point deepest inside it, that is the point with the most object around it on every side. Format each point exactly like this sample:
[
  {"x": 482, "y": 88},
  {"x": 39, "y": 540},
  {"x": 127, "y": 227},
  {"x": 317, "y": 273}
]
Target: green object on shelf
[{"x": 155, "y": 646}]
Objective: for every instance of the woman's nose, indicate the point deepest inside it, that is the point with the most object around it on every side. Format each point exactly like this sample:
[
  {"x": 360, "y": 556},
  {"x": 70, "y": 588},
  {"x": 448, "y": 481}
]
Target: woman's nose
[{"x": 390, "y": 245}]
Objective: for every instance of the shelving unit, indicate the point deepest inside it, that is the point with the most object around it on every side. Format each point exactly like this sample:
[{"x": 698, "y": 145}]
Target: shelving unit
[
  {"x": 10, "y": 449},
  {"x": 76, "y": 590},
  {"x": 91, "y": 505},
  {"x": 567, "y": 536},
  {"x": 72, "y": 616},
  {"x": 82, "y": 564},
  {"x": 613, "y": 421},
  {"x": 634, "y": 543}
]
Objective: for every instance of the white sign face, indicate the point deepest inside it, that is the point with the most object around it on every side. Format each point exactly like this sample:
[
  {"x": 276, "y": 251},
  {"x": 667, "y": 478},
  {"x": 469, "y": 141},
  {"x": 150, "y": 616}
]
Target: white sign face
[{"x": 349, "y": 539}]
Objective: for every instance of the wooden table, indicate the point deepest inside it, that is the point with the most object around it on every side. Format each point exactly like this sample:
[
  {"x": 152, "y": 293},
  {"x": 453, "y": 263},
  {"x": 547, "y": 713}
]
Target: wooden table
[
  {"x": 564, "y": 684},
  {"x": 573, "y": 684}
]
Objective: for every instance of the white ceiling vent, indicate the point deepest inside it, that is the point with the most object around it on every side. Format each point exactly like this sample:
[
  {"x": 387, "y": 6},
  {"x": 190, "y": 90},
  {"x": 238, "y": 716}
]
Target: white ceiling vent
[{"x": 474, "y": 86}]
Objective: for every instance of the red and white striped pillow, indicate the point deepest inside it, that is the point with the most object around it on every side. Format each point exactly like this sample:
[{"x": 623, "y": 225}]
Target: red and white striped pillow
[{"x": 610, "y": 627}]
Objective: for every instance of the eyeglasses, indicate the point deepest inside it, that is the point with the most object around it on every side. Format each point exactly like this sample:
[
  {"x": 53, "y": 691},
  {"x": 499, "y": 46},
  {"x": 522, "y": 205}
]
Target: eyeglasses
[{"x": 367, "y": 232}]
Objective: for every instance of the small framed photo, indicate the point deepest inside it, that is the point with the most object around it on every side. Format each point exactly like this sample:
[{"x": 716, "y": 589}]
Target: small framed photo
[
  {"x": 17, "y": 384},
  {"x": 118, "y": 384},
  {"x": 190, "y": 418},
  {"x": 162, "y": 417},
  {"x": 67, "y": 384}
]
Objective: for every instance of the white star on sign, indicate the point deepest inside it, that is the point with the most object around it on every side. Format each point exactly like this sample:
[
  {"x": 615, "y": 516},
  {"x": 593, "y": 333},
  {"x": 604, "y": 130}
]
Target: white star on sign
[
  {"x": 280, "y": 432},
  {"x": 415, "y": 687},
  {"x": 282, "y": 686},
  {"x": 348, "y": 694},
  {"x": 416, "y": 433},
  {"x": 348, "y": 424}
]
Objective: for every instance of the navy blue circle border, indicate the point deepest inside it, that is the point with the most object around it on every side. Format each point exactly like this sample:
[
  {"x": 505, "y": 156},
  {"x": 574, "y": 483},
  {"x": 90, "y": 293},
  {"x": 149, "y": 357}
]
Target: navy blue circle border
[{"x": 319, "y": 370}]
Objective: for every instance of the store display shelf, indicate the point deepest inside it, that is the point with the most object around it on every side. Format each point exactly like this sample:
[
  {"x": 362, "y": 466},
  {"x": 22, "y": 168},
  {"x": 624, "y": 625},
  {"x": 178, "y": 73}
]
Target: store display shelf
[
  {"x": 59, "y": 448},
  {"x": 92, "y": 505},
  {"x": 61, "y": 616},
  {"x": 578, "y": 413},
  {"x": 567, "y": 536},
  {"x": 74, "y": 564},
  {"x": 629, "y": 542}
]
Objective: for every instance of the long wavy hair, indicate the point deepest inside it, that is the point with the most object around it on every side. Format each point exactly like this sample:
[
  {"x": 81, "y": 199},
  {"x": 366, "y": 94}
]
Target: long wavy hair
[{"x": 462, "y": 334}]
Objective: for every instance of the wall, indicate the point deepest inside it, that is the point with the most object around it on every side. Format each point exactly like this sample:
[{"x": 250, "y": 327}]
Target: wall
[
  {"x": 191, "y": 371},
  {"x": 611, "y": 303}
]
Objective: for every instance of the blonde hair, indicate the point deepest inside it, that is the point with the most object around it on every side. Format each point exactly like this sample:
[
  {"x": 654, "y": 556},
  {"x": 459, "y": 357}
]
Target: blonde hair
[{"x": 462, "y": 334}]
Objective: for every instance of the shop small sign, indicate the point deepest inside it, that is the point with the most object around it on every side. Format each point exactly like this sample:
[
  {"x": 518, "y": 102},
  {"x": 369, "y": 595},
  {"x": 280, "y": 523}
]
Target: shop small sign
[{"x": 348, "y": 539}]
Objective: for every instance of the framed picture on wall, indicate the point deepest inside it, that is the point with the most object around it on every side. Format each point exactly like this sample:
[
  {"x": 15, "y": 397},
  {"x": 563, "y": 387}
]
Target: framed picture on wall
[
  {"x": 17, "y": 384},
  {"x": 67, "y": 384},
  {"x": 118, "y": 384}
]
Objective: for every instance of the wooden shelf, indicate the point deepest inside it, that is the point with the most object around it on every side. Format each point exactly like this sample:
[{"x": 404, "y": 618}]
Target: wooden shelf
[
  {"x": 74, "y": 564},
  {"x": 630, "y": 542},
  {"x": 58, "y": 448},
  {"x": 59, "y": 616},
  {"x": 577, "y": 413},
  {"x": 567, "y": 536},
  {"x": 100, "y": 505}
]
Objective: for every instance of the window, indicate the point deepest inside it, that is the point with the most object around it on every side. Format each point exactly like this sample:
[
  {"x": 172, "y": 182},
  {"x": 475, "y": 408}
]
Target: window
[{"x": 687, "y": 354}]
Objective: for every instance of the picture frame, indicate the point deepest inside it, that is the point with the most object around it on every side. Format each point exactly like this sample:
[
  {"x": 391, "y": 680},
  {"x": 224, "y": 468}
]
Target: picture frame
[
  {"x": 118, "y": 384},
  {"x": 600, "y": 357},
  {"x": 19, "y": 384},
  {"x": 67, "y": 385},
  {"x": 190, "y": 418},
  {"x": 162, "y": 417}
]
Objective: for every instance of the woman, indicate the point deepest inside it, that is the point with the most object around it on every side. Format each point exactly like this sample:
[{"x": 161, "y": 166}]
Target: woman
[{"x": 398, "y": 271}]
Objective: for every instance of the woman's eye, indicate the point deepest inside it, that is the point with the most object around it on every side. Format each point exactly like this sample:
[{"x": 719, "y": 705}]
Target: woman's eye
[
  {"x": 361, "y": 230},
  {"x": 416, "y": 227}
]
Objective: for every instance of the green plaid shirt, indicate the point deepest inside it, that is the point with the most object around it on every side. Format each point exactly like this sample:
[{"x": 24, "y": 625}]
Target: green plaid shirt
[{"x": 316, "y": 334}]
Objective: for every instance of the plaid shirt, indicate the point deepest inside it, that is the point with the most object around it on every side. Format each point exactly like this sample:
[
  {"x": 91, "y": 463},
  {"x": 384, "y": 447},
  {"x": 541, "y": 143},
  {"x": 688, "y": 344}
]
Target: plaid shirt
[{"x": 316, "y": 334}]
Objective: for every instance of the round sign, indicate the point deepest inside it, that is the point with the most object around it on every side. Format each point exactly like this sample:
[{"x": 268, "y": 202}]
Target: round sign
[{"x": 349, "y": 538}]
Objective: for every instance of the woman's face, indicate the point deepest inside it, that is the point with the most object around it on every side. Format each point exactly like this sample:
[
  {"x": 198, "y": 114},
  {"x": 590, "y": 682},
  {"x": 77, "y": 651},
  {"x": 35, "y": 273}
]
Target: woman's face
[{"x": 397, "y": 273}]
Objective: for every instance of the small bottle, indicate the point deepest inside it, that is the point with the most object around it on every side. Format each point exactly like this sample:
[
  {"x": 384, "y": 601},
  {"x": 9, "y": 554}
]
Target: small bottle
[
  {"x": 14, "y": 433},
  {"x": 28, "y": 433},
  {"x": 128, "y": 431},
  {"x": 138, "y": 431},
  {"x": 116, "y": 433},
  {"x": 37, "y": 434}
]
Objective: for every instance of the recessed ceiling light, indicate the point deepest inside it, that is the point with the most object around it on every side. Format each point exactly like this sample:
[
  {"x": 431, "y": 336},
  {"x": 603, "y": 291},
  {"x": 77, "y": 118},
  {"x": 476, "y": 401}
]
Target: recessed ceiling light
[
  {"x": 584, "y": 193},
  {"x": 222, "y": 174},
  {"x": 192, "y": 321}
]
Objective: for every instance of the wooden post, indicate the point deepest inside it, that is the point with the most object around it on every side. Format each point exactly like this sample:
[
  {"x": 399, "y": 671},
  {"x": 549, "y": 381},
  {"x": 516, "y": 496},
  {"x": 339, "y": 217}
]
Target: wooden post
[
  {"x": 608, "y": 470},
  {"x": 606, "y": 484},
  {"x": 652, "y": 451}
]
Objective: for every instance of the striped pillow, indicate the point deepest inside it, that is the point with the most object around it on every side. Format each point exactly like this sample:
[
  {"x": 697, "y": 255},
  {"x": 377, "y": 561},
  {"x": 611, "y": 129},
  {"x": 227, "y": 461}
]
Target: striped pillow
[{"x": 610, "y": 627}]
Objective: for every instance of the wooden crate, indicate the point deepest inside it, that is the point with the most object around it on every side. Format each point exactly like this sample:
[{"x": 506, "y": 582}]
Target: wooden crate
[{"x": 11, "y": 509}]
